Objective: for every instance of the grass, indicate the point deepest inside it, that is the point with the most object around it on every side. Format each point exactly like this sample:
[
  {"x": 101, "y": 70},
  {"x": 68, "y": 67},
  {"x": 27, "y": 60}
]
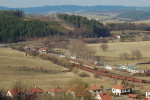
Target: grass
[
  {"x": 115, "y": 49},
  {"x": 10, "y": 60}
]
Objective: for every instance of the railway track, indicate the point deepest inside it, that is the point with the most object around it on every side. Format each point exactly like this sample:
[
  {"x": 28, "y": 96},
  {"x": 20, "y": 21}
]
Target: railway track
[{"x": 111, "y": 75}]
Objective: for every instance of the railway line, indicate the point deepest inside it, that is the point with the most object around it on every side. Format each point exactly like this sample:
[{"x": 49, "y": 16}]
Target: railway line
[{"x": 111, "y": 75}]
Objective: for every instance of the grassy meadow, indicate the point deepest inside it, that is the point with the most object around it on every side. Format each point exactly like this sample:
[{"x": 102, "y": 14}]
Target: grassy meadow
[
  {"x": 10, "y": 72},
  {"x": 116, "y": 48}
]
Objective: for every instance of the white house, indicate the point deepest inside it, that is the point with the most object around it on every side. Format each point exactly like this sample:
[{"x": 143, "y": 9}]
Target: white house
[
  {"x": 94, "y": 89},
  {"x": 110, "y": 67},
  {"x": 120, "y": 89},
  {"x": 148, "y": 94},
  {"x": 103, "y": 96}
]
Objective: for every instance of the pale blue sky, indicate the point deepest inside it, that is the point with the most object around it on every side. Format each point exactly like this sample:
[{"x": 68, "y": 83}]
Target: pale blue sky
[{"x": 37, "y": 3}]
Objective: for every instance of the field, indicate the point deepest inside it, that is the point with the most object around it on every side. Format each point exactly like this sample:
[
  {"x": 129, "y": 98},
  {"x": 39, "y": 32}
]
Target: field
[
  {"x": 11, "y": 71},
  {"x": 115, "y": 49}
]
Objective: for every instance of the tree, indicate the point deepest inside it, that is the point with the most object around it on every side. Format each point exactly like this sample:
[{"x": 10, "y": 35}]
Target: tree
[
  {"x": 104, "y": 46},
  {"x": 79, "y": 49},
  {"x": 136, "y": 54},
  {"x": 125, "y": 56}
]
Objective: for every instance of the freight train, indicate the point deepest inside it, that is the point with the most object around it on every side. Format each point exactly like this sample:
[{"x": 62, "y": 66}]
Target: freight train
[{"x": 103, "y": 72}]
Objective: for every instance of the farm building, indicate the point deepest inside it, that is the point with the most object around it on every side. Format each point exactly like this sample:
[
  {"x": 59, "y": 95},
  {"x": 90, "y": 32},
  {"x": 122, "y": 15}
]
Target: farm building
[
  {"x": 120, "y": 89},
  {"x": 66, "y": 70},
  {"x": 94, "y": 89},
  {"x": 103, "y": 96}
]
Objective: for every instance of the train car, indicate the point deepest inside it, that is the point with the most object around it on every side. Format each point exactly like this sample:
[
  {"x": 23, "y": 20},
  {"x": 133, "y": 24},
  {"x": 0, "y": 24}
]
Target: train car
[
  {"x": 115, "y": 76},
  {"x": 122, "y": 77},
  {"x": 129, "y": 79},
  {"x": 108, "y": 75},
  {"x": 138, "y": 80},
  {"x": 101, "y": 70}
]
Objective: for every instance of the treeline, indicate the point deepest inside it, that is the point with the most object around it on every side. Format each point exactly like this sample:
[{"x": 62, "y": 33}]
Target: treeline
[
  {"x": 18, "y": 13},
  {"x": 13, "y": 29},
  {"x": 135, "y": 15},
  {"x": 127, "y": 26},
  {"x": 93, "y": 27}
]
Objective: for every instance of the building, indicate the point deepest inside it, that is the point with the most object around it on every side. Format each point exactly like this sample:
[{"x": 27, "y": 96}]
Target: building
[
  {"x": 126, "y": 67},
  {"x": 134, "y": 70},
  {"x": 120, "y": 89},
  {"x": 36, "y": 90},
  {"x": 43, "y": 50},
  {"x": 110, "y": 67},
  {"x": 94, "y": 89},
  {"x": 132, "y": 97},
  {"x": 14, "y": 92},
  {"x": 147, "y": 94},
  {"x": 103, "y": 96},
  {"x": 56, "y": 90}
]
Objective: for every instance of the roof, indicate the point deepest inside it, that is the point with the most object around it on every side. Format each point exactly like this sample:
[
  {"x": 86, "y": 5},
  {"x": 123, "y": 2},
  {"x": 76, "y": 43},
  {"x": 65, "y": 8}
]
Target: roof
[
  {"x": 94, "y": 87},
  {"x": 133, "y": 95},
  {"x": 145, "y": 99},
  {"x": 15, "y": 91},
  {"x": 105, "y": 96},
  {"x": 148, "y": 89},
  {"x": 57, "y": 89},
  {"x": 121, "y": 87},
  {"x": 35, "y": 90}
]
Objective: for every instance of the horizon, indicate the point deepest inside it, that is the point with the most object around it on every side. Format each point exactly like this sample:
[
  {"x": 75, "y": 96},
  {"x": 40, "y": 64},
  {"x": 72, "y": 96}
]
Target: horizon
[{"x": 39, "y": 3}]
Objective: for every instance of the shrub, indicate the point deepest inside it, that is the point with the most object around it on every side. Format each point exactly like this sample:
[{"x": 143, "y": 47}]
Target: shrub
[
  {"x": 125, "y": 56},
  {"x": 84, "y": 74}
]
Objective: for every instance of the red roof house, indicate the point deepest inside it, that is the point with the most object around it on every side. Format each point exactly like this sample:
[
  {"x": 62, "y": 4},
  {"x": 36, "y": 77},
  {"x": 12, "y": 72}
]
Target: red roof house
[
  {"x": 132, "y": 97},
  {"x": 14, "y": 92},
  {"x": 94, "y": 89},
  {"x": 56, "y": 90},
  {"x": 36, "y": 90},
  {"x": 120, "y": 89},
  {"x": 103, "y": 96}
]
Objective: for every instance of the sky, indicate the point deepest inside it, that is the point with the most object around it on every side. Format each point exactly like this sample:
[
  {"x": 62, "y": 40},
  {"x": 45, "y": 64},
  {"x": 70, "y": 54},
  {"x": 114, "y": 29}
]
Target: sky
[{"x": 38, "y": 3}]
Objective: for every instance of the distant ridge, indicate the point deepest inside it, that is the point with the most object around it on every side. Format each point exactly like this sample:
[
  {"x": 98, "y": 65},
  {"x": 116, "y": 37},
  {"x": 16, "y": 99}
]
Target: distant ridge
[{"x": 72, "y": 8}]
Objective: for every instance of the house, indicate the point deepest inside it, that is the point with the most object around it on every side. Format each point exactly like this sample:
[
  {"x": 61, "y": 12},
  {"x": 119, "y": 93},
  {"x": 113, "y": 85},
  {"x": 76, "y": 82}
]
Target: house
[
  {"x": 15, "y": 92},
  {"x": 103, "y": 96},
  {"x": 36, "y": 90},
  {"x": 56, "y": 90},
  {"x": 147, "y": 94},
  {"x": 43, "y": 50},
  {"x": 120, "y": 89},
  {"x": 94, "y": 89},
  {"x": 132, "y": 97}
]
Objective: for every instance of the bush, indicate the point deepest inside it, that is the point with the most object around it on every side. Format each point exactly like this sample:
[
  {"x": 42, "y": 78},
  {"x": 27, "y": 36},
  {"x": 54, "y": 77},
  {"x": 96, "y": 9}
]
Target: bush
[
  {"x": 84, "y": 74},
  {"x": 124, "y": 56},
  {"x": 135, "y": 54}
]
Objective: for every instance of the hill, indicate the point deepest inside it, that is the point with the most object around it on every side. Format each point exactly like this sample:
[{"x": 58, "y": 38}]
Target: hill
[
  {"x": 72, "y": 8},
  {"x": 135, "y": 15}
]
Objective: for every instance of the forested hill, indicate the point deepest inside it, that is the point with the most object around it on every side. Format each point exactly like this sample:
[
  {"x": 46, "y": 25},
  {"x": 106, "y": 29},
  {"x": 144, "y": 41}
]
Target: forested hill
[
  {"x": 14, "y": 28},
  {"x": 92, "y": 26}
]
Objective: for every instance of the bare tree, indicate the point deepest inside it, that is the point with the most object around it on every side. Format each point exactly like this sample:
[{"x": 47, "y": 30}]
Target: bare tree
[
  {"x": 104, "y": 46},
  {"x": 136, "y": 54},
  {"x": 79, "y": 49}
]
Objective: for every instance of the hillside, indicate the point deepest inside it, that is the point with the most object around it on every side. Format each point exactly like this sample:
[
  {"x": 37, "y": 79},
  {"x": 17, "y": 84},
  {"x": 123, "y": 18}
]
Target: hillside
[
  {"x": 72, "y": 8},
  {"x": 135, "y": 15}
]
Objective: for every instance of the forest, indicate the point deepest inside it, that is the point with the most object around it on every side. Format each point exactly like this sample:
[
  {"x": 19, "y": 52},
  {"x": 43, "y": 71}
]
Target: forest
[{"x": 13, "y": 28}]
